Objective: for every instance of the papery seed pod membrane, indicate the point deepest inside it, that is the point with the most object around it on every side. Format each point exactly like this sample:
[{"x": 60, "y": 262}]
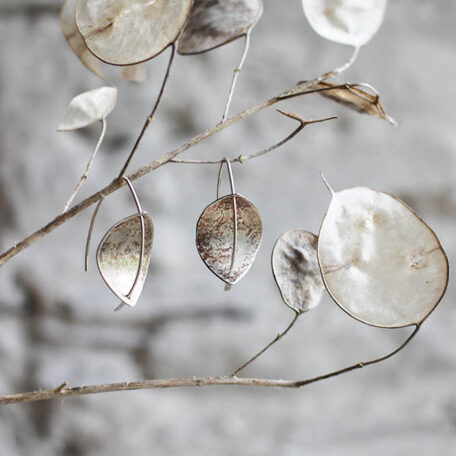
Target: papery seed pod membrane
[
  {"x": 352, "y": 22},
  {"x": 215, "y": 237},
  {"x": 296, "y": 270},
  {"x": 213, "y": 23},
  {"x": 380, "y": 262},
  {"x": 126, "y": 32},
  {"x": 88, "y": 107},
  {"x": 135, "y": 73},
  {"x": 356, "y": 98},
  {"x": 75, "y": 40},
  {"x": 119, "y": 256}
]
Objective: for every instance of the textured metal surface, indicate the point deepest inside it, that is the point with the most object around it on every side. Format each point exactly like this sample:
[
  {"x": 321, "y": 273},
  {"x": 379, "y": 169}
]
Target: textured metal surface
[
  {"x": 213, "y": 23},
  {"x": 126, "y": 32},
  {"x": 215, "y": 237},
  {"x": 118, "y": 257},
  {"x": 380, "y": 262},
  {"x": 296, "y": 270}
]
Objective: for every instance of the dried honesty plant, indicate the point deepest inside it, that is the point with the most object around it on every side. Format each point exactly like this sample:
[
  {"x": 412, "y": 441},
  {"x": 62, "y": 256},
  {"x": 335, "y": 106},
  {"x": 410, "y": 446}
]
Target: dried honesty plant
[
  {"x": 137, "y": 73},
  {"x": 126, "y": 32},
  {"x": 296, "y": 271},
  {"x": 84, "y": 110},
  {"x": 352, "y": 22},
  {"x": 380, "y": 262},
  {"x": 376, "y": 258},
  {"x": 356, "y": 98},
  {"x": 213, "y": 23}
]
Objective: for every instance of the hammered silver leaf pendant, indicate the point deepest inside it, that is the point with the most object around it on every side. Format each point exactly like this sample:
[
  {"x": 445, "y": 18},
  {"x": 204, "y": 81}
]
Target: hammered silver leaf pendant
[
  {"x": 123, "y": 256},
  {"x": 229, "y": 258},
  {"x": 228, "y": 236}
]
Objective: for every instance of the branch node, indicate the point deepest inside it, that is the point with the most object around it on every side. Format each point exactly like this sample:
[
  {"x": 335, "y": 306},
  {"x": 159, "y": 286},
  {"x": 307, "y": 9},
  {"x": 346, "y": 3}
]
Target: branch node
[{"x": 62, "y": 387}]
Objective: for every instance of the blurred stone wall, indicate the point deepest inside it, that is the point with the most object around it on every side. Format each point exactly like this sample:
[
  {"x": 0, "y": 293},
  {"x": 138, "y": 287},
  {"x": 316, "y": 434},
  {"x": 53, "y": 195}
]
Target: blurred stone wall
[{"x": 57, "y": 324}]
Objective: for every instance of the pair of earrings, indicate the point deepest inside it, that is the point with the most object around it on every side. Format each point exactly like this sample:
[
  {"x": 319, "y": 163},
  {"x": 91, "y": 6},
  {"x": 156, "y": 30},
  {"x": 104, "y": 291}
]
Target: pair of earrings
[{"x": 228, "y": 236}]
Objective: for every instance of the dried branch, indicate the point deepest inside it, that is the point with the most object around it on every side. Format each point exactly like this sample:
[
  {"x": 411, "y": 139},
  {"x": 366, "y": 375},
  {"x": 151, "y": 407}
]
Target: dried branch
[
  {"x": 116, "y": 184},
  {"x": 236, "y": 74},
  {"x": 64, "y": 391},
  {"x": 243, "y": 158},
  {"x": 89, "y": 164}
]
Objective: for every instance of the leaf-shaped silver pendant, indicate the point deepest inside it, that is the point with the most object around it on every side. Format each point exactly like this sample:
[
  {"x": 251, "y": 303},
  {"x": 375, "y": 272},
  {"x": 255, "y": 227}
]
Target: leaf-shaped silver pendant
[
  {"x": 123, "y": 256},
  {"x": 228, "y": 244},
  {"x": 296, "y": 270},
  {"x": 214, "y": 23}
]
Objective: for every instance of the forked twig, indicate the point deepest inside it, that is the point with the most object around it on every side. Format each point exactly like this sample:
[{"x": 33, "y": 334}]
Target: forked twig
[
  {"x": 66, "y": 391},
  {"x": 89, "y": 164},
  {"x": 244, "y": 158}
]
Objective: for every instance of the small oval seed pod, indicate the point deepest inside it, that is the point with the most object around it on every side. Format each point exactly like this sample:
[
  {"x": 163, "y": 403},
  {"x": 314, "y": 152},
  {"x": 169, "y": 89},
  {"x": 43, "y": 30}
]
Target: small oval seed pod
[
  {"x": 296, "y": 270},
  {"x": 214, "y": 23}
]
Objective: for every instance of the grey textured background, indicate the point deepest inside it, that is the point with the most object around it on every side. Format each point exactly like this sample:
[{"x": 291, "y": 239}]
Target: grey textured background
[{"x": 56, "y": 322}]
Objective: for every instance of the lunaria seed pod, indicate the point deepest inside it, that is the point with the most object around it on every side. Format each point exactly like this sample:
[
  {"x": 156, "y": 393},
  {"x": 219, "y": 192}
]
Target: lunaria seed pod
[
  {"x": 296, "y": 270},
  {"x": 380, "y": 262}
]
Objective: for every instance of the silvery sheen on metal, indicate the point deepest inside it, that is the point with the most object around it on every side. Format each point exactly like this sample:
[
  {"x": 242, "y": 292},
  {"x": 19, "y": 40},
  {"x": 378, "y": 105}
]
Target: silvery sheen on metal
[
  {"x": 380, "y": 262},
  {"x": 296, "y": 270},
  {"x": 123, "y": 254},
  {"x": 229, "y": 233}
]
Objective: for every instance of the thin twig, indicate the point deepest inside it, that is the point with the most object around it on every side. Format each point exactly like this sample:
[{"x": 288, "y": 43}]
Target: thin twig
[
  {"x": 339, "y": 70},
  {"x": 150, "y": 117},
  {"x": 92, "y": 158},
  {"x": 244, "y": 158},
  {"x": 188, "y": 382},
  {"x": 276, "y": 339},
  {"x": 116, "y": 184},
  {"x": 236, "y": 73}
]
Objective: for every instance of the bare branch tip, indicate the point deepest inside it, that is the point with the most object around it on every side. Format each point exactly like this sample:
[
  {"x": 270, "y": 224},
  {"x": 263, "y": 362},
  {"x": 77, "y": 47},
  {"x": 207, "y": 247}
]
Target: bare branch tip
[{"x": 327, "y": 184}]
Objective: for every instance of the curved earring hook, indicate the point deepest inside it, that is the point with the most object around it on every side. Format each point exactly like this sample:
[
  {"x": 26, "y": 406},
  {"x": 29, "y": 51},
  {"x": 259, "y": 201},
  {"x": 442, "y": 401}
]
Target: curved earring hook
[
  {"x": 226, "y": 162},
  {"x": 143, "y": 240},
  {"x": 230, "y": 174}
]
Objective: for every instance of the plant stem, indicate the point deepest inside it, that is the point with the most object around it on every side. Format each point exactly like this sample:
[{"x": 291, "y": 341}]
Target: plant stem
[
  {"x": 236, "y": 73},
  {"x": 277, "y": 338},
  {"x": 64, "y": 391},
  {"x": 92, "y": 158},
  {"x": 116, "y": 184},
  {"x": 244, "y": 158},
  {"x": 150, "y": 117}
]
